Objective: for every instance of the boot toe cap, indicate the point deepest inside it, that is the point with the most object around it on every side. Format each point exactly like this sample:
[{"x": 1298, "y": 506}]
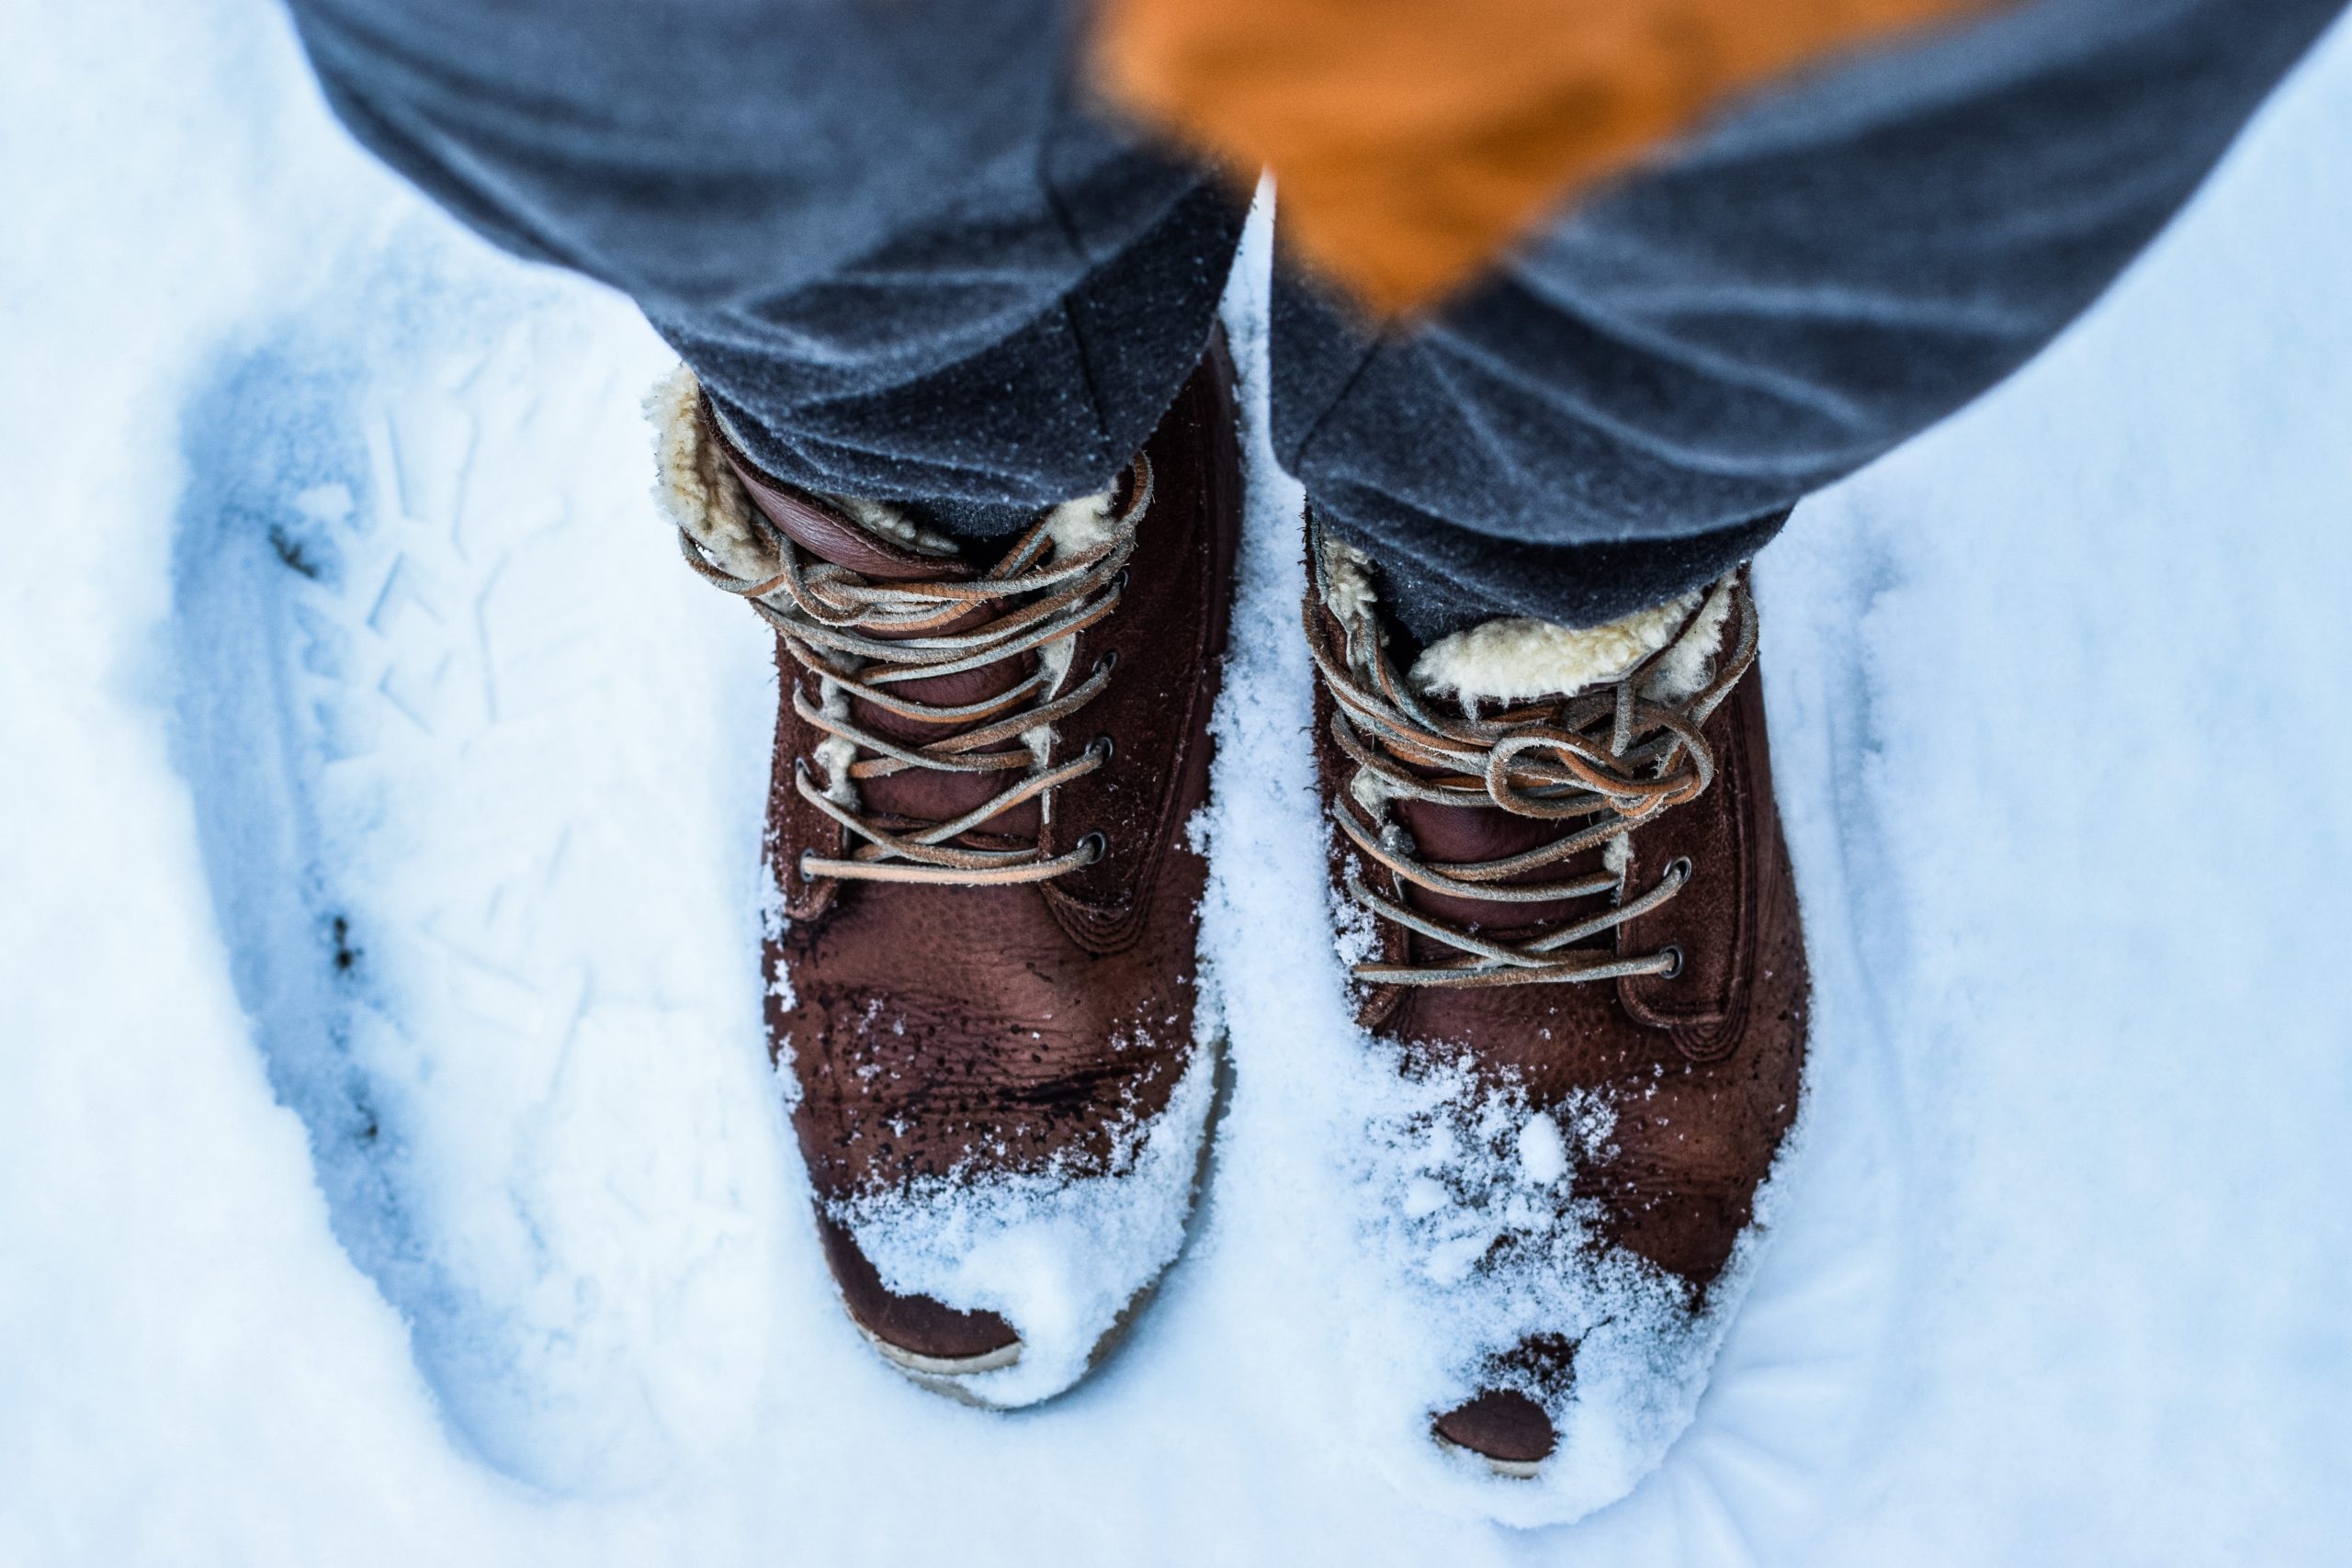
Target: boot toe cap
[
  {"x": 916, "y": 1333},
  {"x": 1506, "y": 1428}
]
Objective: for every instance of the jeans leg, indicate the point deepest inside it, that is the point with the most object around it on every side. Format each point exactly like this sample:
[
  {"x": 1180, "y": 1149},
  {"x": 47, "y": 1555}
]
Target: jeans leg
[
  {"x": 1631, "y": 402},
  {"x": 903, "y": 261}
]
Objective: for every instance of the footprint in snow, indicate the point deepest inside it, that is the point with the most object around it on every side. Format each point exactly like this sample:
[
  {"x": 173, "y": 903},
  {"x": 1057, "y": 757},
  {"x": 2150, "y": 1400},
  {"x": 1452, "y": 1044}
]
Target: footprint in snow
[{"x": 445, "y": 798}]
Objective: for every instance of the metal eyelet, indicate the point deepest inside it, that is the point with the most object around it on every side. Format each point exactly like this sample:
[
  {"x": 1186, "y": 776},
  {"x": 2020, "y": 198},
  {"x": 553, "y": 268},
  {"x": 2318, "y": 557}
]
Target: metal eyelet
[
  {"x": 1681, "y": 867},
  {"x": 1101, "y": 748},
  {"x": 1673, "y": 952},
  {"x": 1119, "y": 583},
  {"x": 801, "y": 867},
  {"x": 1108, "y": 663},
  {"x": 1100, "y": 847}
]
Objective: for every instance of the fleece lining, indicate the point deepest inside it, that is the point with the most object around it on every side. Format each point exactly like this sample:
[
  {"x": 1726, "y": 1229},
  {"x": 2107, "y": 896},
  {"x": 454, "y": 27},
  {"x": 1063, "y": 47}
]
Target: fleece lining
[
  {"x": 1513, "y": 659},
  {"x": 696, "y": 486},
  {"x": 698, "y": 490}
]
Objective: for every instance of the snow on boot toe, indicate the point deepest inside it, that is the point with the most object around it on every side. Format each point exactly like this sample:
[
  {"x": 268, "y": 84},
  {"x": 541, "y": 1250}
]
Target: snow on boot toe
[
  {"x": 1062, "y": 1260},
  {"x": 916, "y": 1332},
  {"x": 982, "y": 950}
]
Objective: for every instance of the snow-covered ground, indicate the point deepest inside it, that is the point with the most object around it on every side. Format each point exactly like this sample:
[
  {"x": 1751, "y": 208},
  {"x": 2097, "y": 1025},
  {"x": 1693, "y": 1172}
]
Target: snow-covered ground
[{"x": 389, "y": 1168}]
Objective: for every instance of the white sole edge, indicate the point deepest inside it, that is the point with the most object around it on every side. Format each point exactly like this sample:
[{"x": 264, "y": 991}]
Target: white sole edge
[
  {"x": 920, "y": 1367},
  {"x": 1510, "y": 1469}
]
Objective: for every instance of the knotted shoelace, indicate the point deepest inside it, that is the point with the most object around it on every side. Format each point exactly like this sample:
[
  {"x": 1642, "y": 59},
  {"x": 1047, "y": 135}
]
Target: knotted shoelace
[
  {"x": 828, "y": 618},
  {"x": 1609, "y": 758}
]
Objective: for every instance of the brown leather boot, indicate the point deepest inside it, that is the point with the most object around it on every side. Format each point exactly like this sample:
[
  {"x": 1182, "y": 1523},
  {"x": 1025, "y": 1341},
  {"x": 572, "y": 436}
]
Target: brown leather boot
[
  {"x": 1559, "y": 870},
  {"x": 982, "y": 970}
]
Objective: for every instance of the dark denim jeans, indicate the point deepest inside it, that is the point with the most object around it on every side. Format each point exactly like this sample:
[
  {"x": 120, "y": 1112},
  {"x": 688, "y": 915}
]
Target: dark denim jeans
[{"x": 908, "y": 260}]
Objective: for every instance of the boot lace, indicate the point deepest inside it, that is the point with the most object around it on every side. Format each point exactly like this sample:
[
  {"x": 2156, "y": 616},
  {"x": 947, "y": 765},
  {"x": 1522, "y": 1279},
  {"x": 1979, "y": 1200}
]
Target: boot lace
[
  {"x": 827, "y": 615},
  {"x": 1611, "y": 759}
]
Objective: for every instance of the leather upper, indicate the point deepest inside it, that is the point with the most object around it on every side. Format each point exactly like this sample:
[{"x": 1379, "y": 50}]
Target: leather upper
[
  {"x": 956, "y": 1030},
  {"x": 1701, "y": 1069}
]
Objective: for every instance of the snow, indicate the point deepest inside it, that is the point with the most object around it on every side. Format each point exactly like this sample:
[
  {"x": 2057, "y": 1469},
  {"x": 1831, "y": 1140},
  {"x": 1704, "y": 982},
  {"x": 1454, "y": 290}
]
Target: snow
[
  {"x": 378, "y": 633},
  {"x": 1059, "y": 1256},
  {"x": 2057, "y": 1275}
]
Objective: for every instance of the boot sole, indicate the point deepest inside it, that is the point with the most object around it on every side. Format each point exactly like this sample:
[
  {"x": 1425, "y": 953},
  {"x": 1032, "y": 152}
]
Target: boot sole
[{"x": 1509, "y": 1469}]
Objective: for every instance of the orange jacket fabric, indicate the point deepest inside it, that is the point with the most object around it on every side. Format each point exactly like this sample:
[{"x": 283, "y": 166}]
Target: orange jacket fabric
[{"x": 1413, "y": 140}]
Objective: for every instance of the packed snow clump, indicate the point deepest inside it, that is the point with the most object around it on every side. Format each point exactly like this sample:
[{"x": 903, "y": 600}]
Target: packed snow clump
[
  {"x": 1485, "y": 1270},
  {"x": 1060, "y": 1255}
]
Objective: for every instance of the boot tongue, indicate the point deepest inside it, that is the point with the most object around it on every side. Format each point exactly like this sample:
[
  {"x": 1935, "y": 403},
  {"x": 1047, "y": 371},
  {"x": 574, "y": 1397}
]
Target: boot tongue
[
  {"x": 1514, "y": 663},
  {"x": 1463, "y": 834},
  {"x": 914, "y": 794},
  {"x": 826, "y": 533},
  {"x": 1470, "y": 833}
]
